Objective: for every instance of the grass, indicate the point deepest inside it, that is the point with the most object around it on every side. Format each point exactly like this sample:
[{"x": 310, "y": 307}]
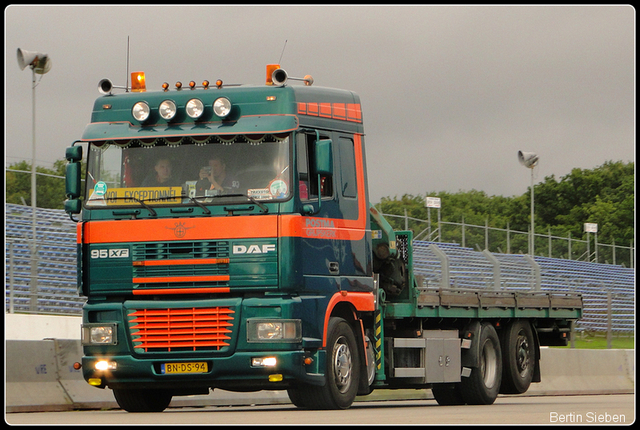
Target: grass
[{"x": 599, "y": 341}]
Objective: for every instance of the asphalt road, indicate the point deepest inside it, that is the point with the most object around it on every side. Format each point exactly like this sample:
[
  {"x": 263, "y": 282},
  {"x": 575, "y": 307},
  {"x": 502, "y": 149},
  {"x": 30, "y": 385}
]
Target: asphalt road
[{"x": 515, "y": 410}]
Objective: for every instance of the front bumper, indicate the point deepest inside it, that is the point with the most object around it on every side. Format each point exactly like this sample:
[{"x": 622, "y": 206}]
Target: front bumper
[{"x": 232, "y": 373}]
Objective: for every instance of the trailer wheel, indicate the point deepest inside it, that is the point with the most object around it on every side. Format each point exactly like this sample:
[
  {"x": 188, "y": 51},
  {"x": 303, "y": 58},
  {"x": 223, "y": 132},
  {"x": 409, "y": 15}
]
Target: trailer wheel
[
  {"x": 342, "y": 372},
  {"x": 518, "y": 357},
  {"x": 142, "y": 400},
  {"x": 483, "y": 384}
]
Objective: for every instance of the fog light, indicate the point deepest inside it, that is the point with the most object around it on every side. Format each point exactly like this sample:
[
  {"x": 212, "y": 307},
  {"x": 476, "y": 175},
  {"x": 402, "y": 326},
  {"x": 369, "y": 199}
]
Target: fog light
[
  {"x": 276, "y": 378},
  {"x": 168, "y": 110},
  {"x": 264, "y": 362},
  {"x": 95, "y": 381},
  {"x": 195, "y": 108},
  {"x": 141, "y": 111},
  {"x": 106, "y": 365},
  {"x": 222, "y": 107}
]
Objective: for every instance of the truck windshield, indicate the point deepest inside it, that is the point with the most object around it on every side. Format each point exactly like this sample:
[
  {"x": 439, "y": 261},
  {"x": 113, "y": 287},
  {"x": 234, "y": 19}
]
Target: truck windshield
[{"x": 175, "y": 171}]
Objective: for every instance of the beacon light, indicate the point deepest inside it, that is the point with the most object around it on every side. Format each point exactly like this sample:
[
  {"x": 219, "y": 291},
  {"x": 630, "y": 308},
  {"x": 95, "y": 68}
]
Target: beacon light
[{"x": 138, "y": 82}]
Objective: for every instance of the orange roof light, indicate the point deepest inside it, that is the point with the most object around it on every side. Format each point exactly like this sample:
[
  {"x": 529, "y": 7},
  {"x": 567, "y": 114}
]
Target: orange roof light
[
  {"x": 270, "y": 69},
  {"x": 138, "y": 83}
]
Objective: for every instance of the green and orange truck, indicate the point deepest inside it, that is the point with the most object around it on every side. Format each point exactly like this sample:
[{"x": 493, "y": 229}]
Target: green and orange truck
[{"x": 226, "y": 240}]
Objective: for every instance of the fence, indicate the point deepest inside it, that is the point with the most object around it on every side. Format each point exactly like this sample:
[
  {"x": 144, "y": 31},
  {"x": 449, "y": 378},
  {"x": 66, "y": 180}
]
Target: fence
[
  {"x": 46, "y": 282},
  {"x": 517, "y": 242}
]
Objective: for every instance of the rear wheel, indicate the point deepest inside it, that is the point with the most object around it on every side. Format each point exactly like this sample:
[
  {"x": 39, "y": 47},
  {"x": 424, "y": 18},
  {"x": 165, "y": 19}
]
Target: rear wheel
[
  {"x": 483, "y": 384},
  {"x": 142, "y": 400},
  {"x": 518, "y": 357}
]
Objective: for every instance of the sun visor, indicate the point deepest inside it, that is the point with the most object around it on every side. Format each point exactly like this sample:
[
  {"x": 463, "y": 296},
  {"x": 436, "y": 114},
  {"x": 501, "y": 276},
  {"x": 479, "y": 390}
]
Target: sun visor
[{"x": 257, "y": 124}]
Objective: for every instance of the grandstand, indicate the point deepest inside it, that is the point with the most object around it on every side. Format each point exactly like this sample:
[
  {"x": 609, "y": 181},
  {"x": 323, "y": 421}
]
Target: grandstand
[
  {"x": 598, "y": 283},
  {"x": 56, "y": 271},
  {"x": 55, "y": 265}
]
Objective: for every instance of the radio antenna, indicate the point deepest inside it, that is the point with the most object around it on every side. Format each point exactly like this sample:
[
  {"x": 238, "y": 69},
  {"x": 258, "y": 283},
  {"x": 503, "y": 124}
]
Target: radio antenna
[
  {"x": 127, "y": 85},
  {"x": 285, "y": 45}
]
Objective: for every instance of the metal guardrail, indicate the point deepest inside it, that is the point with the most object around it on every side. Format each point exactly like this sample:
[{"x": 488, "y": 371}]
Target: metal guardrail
[
  {"x": 493, "y": 238},
  {"x": 46, "y": 283}
]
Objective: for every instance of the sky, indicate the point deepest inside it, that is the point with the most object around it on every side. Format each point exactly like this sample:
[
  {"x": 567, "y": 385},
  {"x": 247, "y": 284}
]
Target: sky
[{"x": 449, "y": 94}]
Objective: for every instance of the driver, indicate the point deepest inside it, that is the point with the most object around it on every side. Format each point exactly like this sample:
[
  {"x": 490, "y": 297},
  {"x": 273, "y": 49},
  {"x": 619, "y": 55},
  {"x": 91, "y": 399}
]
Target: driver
[{"x": 162, "y": 175}]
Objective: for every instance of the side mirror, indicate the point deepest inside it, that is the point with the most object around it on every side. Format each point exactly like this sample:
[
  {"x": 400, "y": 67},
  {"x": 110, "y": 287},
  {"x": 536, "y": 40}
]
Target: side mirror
[
  {"x": 72, "y": 206},
  {"x": 72, "y": 181},
  {"x": 73, "y": 154},
  {"x": 324, "y": 157}
]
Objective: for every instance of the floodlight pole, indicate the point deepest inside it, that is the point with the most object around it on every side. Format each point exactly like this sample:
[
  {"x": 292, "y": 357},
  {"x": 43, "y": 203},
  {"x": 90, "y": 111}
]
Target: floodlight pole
[
  {"x": 33, "y": 157},
  {"x": 529, "y": 160},
  {"x": 532, "y": 234},
  {"x": 38, "y": 63}
]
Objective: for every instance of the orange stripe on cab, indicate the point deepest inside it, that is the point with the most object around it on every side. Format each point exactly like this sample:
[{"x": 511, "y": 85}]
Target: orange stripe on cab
[
  {"x": 264, "y": 226},
  {"x": 157, "y": 279},
  {"x": 156, "y": 291}
]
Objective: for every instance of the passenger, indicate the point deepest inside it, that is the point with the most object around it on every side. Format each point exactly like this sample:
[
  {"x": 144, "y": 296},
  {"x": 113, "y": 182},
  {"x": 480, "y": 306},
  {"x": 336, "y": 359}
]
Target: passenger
[{"x": 215, "y": 177}]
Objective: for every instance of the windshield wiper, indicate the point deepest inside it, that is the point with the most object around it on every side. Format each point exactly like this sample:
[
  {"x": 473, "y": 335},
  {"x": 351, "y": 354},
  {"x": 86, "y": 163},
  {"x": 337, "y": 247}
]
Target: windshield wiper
[
  {"x": 142, "y": 203},
  {"x": 184, "y": 196},
  {"x": 262, "y": 207}
]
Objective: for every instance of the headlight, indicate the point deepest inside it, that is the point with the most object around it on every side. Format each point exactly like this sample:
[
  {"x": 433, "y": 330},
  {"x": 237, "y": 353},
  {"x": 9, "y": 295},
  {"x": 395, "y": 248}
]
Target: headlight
[
  {"x": 194, "y": 108},
  {"x": 222, "y": 107},
  {"x": 274, "y": 331},
  {"x": 99, "y": 334},
  {"x": 167, "y": 110},
  {"x": 141, "y": 111}
]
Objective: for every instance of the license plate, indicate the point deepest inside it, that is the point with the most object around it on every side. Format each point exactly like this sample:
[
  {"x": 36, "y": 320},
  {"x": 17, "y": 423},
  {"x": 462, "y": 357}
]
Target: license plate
[{"x": 194, "y": 367}]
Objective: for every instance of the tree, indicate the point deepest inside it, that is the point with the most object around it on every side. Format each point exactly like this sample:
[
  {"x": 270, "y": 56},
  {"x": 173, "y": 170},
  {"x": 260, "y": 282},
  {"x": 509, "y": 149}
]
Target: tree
[
  {"x": 603, "y": 195},
  {"x": 49, "y": 189}
]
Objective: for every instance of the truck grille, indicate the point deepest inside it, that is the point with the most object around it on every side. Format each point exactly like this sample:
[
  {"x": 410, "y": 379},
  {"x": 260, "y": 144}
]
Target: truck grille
[
  {"x": 181, "y": 329},
  {"x": 180, "y": 265}
]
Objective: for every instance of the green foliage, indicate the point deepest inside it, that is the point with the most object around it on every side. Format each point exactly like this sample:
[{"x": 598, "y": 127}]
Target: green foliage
[
  {"x": 49, "y": 190},
  {"x": 603, "y": 195}
]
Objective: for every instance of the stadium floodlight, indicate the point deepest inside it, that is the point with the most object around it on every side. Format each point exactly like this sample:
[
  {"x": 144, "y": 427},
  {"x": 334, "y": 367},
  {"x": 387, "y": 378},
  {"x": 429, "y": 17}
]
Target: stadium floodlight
[
  {"x": 40, "y": 64},
  {"x": 530, "y": 160}
]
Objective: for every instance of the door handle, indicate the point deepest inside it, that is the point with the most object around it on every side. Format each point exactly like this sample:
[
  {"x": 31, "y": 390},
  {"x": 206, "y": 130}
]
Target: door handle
[{"x": 334, "y": 267}]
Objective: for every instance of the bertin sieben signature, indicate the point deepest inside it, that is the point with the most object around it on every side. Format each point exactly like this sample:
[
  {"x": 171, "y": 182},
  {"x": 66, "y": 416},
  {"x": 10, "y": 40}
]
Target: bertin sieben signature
[{"x": 180, "y": 230}]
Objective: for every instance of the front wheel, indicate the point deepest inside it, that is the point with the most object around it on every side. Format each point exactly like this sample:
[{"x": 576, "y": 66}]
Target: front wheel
[
  {"x": 342, "y": 372},
  {"x": 142, "y": 400}
]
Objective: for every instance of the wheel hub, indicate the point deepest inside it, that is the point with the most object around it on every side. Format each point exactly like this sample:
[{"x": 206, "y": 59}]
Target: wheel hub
[{"x": 342, "y": 366}]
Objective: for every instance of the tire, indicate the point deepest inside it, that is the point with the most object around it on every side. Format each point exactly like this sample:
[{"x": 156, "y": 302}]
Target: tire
[
  {"x": 342, "y": 372},
  {"x": 297, "y": 397},
  {"x": 448, "y": 394},
  {"x": 519, "y": 357},
  {"x": 142, "y": 400},
  {"x": 483, "y": 384}
]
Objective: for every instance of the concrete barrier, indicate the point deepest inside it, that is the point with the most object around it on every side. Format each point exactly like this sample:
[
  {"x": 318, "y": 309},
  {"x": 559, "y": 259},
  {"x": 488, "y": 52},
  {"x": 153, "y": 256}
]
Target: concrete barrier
[
  {"x": 585, "y": 371},
  {"x": 32, "y": 382},
  {"x": 40, "y": 377}
]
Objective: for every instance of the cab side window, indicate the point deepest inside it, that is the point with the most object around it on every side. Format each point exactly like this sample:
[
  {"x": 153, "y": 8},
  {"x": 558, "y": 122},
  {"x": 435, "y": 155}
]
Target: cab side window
[
  {"x": 307, "y": 176},
  {"x": 348, "y": 168}
]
